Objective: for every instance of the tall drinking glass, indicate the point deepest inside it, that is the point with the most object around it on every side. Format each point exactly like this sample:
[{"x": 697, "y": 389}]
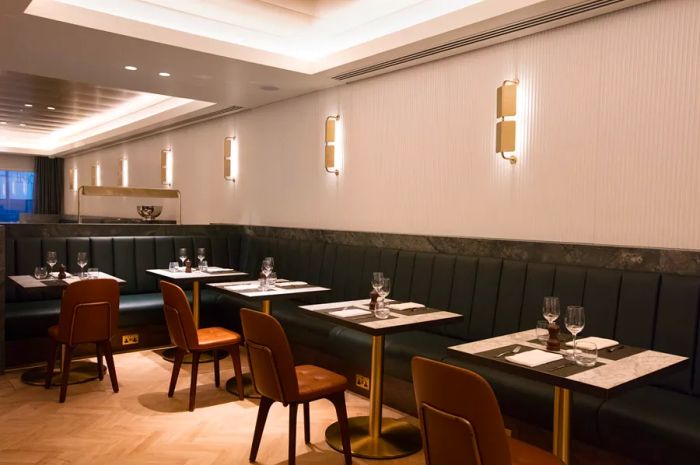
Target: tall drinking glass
[
  {"x": 82, "y": 261},
  {"x": 183, "y": 255},
  {"x": 201, "y": 255},
  {"x": 574, "y": 320},
  {"x": 550, "y": 309},
  {"x": 51, "y": 259}
]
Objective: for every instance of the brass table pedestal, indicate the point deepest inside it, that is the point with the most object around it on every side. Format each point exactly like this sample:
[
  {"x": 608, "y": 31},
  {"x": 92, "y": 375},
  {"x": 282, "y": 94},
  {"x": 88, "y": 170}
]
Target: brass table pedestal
[
  {"x": 561, "y": 439},
  {"x": 396, "y": 439},
  {"x": 80, "y": 372}
]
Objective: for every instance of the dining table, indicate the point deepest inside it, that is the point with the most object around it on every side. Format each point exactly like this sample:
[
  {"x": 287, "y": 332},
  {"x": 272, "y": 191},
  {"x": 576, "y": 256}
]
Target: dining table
[
  {"x": 80, "y": 371},
  {"x": 618, "y": 368},
  {"x": 373, "y": 436},
  {"x": 252, "y": 292}
]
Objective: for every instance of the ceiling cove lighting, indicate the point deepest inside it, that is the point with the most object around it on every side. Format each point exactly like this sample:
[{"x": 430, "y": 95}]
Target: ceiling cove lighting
[
  {"x": 166, "y": 167},
  {"x": 28, "y": 105},
  {"x": 124, "y": 172},
  {"x": 230, "y": 158},
  {"x": 51, "y": 108},
  {"x": 96, "y": 175},
  {"x": 164, "y": 74},
  {"x": 130, "y": 68},
  {"x": 506, "y": 97},
  {"x": 333, "y": 148},
  {"x": 73, "y": 179}
]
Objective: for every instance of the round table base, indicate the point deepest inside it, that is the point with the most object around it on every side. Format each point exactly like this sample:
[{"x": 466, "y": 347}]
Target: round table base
[
  {"x": 80, "y": 372},
  {"x": 205, "y": 357},
  {"x": 398, "y": 439},
  {"x": 248, "y": 389}
]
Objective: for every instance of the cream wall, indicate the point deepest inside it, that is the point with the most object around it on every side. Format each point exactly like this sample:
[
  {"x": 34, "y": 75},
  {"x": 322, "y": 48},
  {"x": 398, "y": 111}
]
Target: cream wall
[
  {"x": 16, "y": 162},
  {"x": 609, "y": 128}
]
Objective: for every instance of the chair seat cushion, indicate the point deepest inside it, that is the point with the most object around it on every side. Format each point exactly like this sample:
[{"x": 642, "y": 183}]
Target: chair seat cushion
[
  {"x": 522, "y": 453},
  {"x": 316, "y": 382},
  {"x": 213, "y": 337},
  {"x": 655, "y": 424}
]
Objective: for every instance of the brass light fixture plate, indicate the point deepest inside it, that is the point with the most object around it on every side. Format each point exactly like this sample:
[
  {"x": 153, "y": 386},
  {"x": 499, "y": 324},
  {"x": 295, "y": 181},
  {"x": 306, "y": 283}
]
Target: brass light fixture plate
[
  {"x": 80, "y": 372},
  {"x": 505, "y": 136},
  {"x": 506, "y": 100},
  {"x": 398, "y": 438},
  {"x": 228, "y": 152}
]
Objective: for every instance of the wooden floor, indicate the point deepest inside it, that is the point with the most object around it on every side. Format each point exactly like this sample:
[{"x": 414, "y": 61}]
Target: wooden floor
[{"x": 141, "y": 425}]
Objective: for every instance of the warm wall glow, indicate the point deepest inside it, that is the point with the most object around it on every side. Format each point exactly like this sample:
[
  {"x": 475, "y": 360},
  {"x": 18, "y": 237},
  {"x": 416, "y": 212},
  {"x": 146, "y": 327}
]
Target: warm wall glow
[
  {"x": 166, "y": 167},
  {"x": 73, "y": 179},
  {"x": 124, "y": 172},
  {"x": 506, "y": 107},
  {"x": 334, "y": 145},
  {"x": 230, "y": 158},
  {"x": 96, "y": 175}
]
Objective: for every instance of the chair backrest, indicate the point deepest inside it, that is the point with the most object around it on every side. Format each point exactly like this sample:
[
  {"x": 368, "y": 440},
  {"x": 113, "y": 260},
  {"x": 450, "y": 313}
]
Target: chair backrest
[
  {"x": 89, "y": 311},
  {"x": 269, "y": 355},
  {"x": 460, "y": 420},
  {"x": 178, "y": 316}
]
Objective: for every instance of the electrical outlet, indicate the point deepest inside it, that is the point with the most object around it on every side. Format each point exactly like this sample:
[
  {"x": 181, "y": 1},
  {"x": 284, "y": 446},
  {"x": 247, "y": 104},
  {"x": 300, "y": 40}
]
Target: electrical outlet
[
  {"x": 362, "y": 382},
  {"x": 130, "y": 339}
]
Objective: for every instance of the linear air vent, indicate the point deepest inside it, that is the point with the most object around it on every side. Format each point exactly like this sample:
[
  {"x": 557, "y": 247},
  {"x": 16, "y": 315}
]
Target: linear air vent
[{"x": 482, "y": 37}]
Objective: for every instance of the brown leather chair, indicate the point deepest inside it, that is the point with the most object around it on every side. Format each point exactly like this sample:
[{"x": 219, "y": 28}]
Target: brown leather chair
[
  {"x": 89, "y": 314},
  {"x": 278, "y": 380},
  {"x": 461, "y": 422},
  {"x": 188, "y": 339}
]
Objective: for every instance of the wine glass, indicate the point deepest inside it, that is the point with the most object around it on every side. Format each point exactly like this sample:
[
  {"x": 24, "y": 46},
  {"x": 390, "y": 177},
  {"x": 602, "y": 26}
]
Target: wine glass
[
  {"x": 574, "y": 320},
  {"x": 51, "y": 259},
  {"x": 377, "y": 280},
  {"x": 201, "y": 254},
  {"x": 183, "y": 255},
  {"x": 550, "y": 309},
  {"x": 385, "y": 289},
  {"x": 82, "y": 261}
]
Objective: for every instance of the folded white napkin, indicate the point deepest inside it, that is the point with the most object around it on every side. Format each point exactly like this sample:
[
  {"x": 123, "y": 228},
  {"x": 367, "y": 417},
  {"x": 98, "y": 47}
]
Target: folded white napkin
[
  {"x": 218, "y": 269},
  {"x": 405, "y": 306},
  {"x": 290, "y": 283},
  {"x": 533, "y": 358},
  {"x": 242, "y": 287},
  {"x": 600, "y": 342},
  {"x": 349, "y": 312}
]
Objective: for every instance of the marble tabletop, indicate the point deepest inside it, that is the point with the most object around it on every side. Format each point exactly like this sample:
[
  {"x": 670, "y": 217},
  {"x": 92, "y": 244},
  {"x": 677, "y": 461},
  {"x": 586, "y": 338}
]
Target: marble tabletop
[
  {"x": 196, "y": 275},
  {"x": 605, "y": 379},
  {"x": 396, "y": 322},
  {"x": 30, "y": 282},
  {"x": 250, "y": 289}
]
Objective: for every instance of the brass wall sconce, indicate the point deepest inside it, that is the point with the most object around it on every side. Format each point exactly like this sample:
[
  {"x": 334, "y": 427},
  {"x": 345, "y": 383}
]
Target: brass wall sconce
[
  {"x": 166, "y": 167},
  {"x": 73, "y": 179},
  {"x": 124, "y": 172},
  {"x": 506, "y": 97},
  {"x": 96, "y": 175},
  {"x": 230, "y": 158},
  {"x": 332, "y": 149}
]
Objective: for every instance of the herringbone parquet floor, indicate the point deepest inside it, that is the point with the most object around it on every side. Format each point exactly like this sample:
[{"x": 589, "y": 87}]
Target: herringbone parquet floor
[{"x": 141, "y": 425}]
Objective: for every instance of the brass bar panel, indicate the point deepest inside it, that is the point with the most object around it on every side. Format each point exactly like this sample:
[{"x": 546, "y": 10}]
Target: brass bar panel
[{"x": 376, "y": 382}]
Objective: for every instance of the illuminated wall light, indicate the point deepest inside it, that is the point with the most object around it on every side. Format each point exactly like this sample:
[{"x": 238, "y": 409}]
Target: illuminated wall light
[
  {"x": 73, "y": 179},
  {"x": 333, "y": 148},
  {"x": 124, "y": 172},
  {"x": 96, "y": 175},
  {"x": 230, "y": 158},
  {"x": 506, "y": 97},
  {"x": 166, "y": 167}
]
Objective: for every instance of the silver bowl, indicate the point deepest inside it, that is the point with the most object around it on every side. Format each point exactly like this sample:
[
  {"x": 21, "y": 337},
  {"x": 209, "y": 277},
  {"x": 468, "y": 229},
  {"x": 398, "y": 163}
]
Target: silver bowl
[{"x": 149, "y": 212}]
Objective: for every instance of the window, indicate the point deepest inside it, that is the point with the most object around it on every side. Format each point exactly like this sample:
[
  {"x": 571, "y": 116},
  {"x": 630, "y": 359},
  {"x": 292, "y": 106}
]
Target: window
[{"x": 16, "y": 194}]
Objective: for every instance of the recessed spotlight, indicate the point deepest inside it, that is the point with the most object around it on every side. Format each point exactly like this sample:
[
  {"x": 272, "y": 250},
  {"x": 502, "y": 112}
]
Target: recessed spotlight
[
  {"x": 22, "y": 124},
  {"x": 50, "y": 108},
  {"x": 28, "y": 105},
  {"x": 164, "y": 74},
  {"x": 130, "y": 68}
]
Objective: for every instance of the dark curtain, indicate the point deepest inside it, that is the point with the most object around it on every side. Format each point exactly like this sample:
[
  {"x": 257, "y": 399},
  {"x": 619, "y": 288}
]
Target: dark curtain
[{"x": 48, "y": 185}]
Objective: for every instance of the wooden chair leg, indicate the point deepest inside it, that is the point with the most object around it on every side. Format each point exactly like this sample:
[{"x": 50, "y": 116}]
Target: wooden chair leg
[
  {"x": 51, "y": 363},
  {"x": 100, "y": 372},
  {"x": 263, "y": 410},
  {"x": 292, "y": 433},
  {"x": 338, "y": 400},
  {"x": 217, "y": 376},
  {"x": 107, "y": 348},
  {"x": 66, "y": 373},
  {"x": 177, "y": 363},
  {"x": 236, "y": 359},
  {"x": 307, "y": 421},
  {"x": 193, "y": 382}
]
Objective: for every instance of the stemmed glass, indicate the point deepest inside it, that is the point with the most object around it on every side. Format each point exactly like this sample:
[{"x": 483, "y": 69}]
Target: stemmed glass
[
  {"x": 51, "y": 260},
  {"x": 183, "y": 255},
  {"x": 201, "y": 255},
  {"x": 574, "y": 320},
  {"x": 377, "y": 281},
  {"x": 268, "y": 264},
  {"x": 82, "y": 261},
  {"x": 385, "y": 289},
  {"x": 550, "y": 309}
]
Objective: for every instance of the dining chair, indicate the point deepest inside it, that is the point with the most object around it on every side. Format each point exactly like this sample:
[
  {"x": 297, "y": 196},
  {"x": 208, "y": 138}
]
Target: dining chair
[
  {"x": 277, "y": 379},
  {"x": 187, "y": 339},
  {"x": 89, "y": 314},
  {"x": 461, "y": 422}
]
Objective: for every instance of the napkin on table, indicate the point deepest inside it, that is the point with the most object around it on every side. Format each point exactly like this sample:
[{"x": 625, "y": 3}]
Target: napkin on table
[
  {"x": 405, "y": 306},
  {"x": 600, "y": 342},
  {"x": 218, "y": 269},
  {"x": 349, "y": 312},
  {"x": 290, "y": 283},
  {"x": 533, "y": 358}
]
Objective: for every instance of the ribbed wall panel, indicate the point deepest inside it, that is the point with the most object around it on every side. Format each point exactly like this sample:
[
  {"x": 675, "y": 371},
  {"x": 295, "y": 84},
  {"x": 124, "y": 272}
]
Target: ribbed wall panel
[{"x": 608, "y": 135}]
